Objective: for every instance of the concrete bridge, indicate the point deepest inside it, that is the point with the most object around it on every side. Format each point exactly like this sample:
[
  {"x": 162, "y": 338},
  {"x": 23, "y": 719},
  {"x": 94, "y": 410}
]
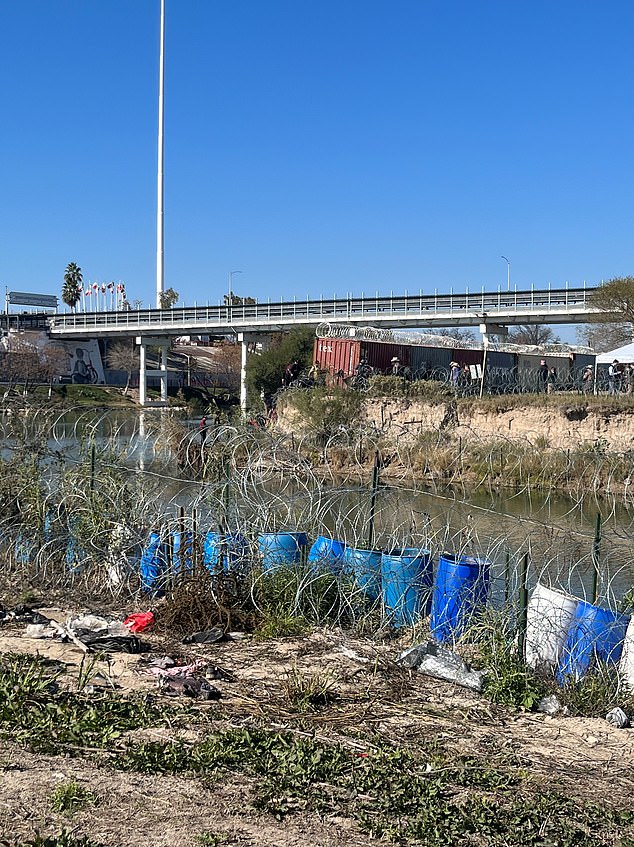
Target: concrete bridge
[{"x": 493, "y": 312}]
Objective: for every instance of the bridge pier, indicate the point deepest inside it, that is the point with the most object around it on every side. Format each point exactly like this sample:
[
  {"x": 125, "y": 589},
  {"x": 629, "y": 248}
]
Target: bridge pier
[
  {"x": 144, "y": 372},
  {"x": 243, "y": 338}
]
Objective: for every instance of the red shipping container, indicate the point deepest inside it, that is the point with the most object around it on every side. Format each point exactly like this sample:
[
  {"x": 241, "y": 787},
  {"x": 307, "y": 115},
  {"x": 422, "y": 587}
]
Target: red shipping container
[{"x": 337, "y": 354}]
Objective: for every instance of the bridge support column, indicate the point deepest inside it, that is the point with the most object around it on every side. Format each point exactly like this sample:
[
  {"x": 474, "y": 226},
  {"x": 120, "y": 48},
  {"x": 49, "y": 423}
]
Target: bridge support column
[
  {"x": 144, "y": 372},
  {"x": 243, "y": 338}
]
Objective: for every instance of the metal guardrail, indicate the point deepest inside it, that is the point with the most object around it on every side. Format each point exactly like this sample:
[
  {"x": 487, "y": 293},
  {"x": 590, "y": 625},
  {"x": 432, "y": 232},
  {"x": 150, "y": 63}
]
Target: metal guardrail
[{"x": 558, "y": 302}]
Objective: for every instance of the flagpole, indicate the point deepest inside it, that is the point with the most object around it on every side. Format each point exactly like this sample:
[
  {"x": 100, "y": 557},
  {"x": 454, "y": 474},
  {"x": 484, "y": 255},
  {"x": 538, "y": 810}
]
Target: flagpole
[{"x": 160, "y": 229}]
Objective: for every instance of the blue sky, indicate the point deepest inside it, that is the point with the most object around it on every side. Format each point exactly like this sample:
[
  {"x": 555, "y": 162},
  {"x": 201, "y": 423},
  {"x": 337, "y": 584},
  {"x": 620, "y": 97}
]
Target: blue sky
[{"x": 318, "y": 147}]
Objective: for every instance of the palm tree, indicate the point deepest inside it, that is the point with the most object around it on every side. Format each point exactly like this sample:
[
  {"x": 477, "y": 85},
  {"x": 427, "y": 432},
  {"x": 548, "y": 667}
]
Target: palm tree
[{"x": 71, "y": 290}]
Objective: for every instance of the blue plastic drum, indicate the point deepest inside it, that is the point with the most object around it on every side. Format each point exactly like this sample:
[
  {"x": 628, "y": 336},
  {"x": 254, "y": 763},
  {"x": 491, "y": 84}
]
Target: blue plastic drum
[
  {"x": 281, "y": 549},
  {"x": 231, "y": 548},
  {"x": 461, "y": 588},
  {"x": 326, "y": 554},
  {"x": 407, "y": 577},
  {"x": 596, "y": 635},
  {"x": 365, "y": 566},
  {"x": 153, "y": 564}
]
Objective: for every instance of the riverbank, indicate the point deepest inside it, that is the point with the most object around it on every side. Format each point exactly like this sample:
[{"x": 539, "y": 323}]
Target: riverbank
[
  {"x": 389, "y": 754},
  {"x": 561, "y": 443}
]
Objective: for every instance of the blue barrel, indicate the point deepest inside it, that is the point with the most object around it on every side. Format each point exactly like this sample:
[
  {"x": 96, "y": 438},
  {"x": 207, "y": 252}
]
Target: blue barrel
[
  {"x": 153, "y": 563},
  {"x": 281, "y": 549},
  {"x": 232, "y": 547},
  {"x": 407, "y": 577},
  {"x": 365, "y": 566},
  {"x": 326, "y": 554},
  {"x": 461, "y": 587},
  {"x": 596, "y": 635}
]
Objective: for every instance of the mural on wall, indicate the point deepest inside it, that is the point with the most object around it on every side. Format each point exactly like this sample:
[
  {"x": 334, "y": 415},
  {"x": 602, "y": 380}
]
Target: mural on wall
[
  {"x": 85, "y": 366},
  {"x": 78, "y": 360}
]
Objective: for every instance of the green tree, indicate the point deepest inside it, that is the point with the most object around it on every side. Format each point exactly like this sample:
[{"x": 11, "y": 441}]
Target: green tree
[
  {"x": 169, "y": 298},
  {"x": 236, "y": 300},
  {"x": 265, "y": 371},
  {"x": 71, "y": 290}
]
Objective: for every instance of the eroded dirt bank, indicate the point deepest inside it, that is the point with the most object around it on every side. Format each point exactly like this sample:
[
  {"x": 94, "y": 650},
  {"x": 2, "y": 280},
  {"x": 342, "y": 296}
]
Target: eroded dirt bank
[{"x": 558, "y": 422}]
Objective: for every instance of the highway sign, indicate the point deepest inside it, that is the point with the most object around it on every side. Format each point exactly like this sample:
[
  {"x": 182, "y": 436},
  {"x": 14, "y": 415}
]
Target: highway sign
[{"x": 21, "y": 298}]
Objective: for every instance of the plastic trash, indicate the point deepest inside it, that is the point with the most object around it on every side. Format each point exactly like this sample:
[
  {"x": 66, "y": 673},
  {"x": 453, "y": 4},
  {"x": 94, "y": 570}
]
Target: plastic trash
[
  {"x": 40, "y": 630},
  {"x": 440, "y": 662},
  {"x": 209, "y": 636},
  {"x": 617, "y": 717},
  {"x": 139, "y": 621},
  {"x": 116, "y": 643},
  {"x": 550, "y": 705},
  {"x": 88, "y": 624}
]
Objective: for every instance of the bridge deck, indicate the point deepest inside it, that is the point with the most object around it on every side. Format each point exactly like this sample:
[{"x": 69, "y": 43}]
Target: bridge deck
[{"x": 558, "y": 306}]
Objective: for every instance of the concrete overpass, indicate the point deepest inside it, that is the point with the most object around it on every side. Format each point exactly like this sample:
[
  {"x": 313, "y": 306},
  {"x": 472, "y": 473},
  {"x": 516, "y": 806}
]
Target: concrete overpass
[{"x": 493, "y": 312}]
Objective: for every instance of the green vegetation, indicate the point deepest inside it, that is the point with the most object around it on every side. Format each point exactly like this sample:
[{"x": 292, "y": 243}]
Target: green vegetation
[
  {"x": 307, "y": 691},
  {"x": 71, "y": 797},
  {"x": 403, "y": 796},
  {"x": 211, "y": 839},
  {"x": 37, "y": 713},
  {"x": 71, "y": 289},
  {"x": 64, "y": 839},
  {"x": 265, "y": 372},
  {"x": 325, "y": 411}
]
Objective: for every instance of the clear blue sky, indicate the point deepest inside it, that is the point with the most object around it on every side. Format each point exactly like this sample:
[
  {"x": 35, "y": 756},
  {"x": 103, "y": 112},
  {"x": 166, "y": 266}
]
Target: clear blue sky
[{"x": 319, "y": 147}]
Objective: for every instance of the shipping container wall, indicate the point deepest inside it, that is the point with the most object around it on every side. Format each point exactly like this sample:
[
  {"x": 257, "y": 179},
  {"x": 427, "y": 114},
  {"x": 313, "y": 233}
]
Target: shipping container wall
[
  {"x": 337, "y": 354},
  {"x": 429, "y": 362},
  {"x": 467, "y": 357},
  {"x": 498, "y": 359},
  {"x": 379, "y": 355}
]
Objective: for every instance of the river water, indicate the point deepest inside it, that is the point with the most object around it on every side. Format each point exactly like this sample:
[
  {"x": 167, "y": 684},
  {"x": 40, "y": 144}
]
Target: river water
[{"x": 556, "y": 531}]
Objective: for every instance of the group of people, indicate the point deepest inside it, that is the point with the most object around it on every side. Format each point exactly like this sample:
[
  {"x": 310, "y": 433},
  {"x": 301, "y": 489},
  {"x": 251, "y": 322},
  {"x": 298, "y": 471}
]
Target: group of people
[{"x": 620, "y": 378}]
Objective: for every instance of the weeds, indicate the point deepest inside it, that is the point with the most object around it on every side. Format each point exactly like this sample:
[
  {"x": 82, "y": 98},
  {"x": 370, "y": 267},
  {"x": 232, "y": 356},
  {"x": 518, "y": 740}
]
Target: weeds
[
  {"x": 210, "y": 839},
  {"x": 307, "y": 691},
  {"x": 34, "y": 711},
  {"x": 71, "y": 797},
  {"x": 396, "y": 795},
  {"x": 600, "y": 690},
  {"x": 508, "y": 681},
  {"x": 64, "y": 839}
]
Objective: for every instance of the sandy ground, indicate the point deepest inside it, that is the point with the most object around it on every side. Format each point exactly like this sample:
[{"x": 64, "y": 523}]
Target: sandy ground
[{"x": 584, "y": 757}]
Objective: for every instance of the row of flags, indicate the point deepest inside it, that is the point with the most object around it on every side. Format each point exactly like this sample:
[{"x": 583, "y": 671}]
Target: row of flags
[{"x": 95, "y": 288}]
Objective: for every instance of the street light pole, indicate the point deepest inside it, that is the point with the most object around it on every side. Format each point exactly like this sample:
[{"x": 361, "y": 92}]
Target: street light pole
[
  {"x": 508, "y": 273},
  {"x": 230, "y": 292}
]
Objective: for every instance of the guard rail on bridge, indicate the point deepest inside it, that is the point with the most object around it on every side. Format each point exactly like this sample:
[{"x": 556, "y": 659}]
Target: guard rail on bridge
[{"x": 555, "y": 306}]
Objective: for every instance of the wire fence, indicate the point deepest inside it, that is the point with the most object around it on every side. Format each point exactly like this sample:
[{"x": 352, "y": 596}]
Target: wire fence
[{"x": 81, "y": 494}]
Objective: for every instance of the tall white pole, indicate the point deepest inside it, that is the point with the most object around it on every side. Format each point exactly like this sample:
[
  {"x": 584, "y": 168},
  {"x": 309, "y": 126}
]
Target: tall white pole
[{"x": 160, "y": 274}]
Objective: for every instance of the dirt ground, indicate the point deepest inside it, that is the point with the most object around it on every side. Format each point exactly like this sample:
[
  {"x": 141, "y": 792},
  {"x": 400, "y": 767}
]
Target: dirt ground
[{"x": 584, "y": 757}]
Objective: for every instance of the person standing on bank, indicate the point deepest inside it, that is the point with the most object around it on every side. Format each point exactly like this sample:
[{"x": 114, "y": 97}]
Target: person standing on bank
[
  {"x": 543, "y": 375},
  {"x": 202, "y": 429}
]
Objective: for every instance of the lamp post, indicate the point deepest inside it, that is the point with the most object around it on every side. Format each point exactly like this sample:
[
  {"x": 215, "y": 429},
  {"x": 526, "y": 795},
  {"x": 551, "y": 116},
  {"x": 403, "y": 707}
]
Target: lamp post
[
  {"x": 508, "y": 273},
  {"x": 231, "y": 275}
]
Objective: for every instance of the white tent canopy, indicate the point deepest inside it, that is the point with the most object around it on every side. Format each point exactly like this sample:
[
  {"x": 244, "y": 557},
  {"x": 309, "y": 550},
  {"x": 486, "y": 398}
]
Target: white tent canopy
[{"x": 625, "y": 355}]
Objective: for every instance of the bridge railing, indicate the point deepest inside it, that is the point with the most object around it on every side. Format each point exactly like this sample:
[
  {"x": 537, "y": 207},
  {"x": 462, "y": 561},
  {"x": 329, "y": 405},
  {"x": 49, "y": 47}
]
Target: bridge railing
[{"x": 481, "y": 303}]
